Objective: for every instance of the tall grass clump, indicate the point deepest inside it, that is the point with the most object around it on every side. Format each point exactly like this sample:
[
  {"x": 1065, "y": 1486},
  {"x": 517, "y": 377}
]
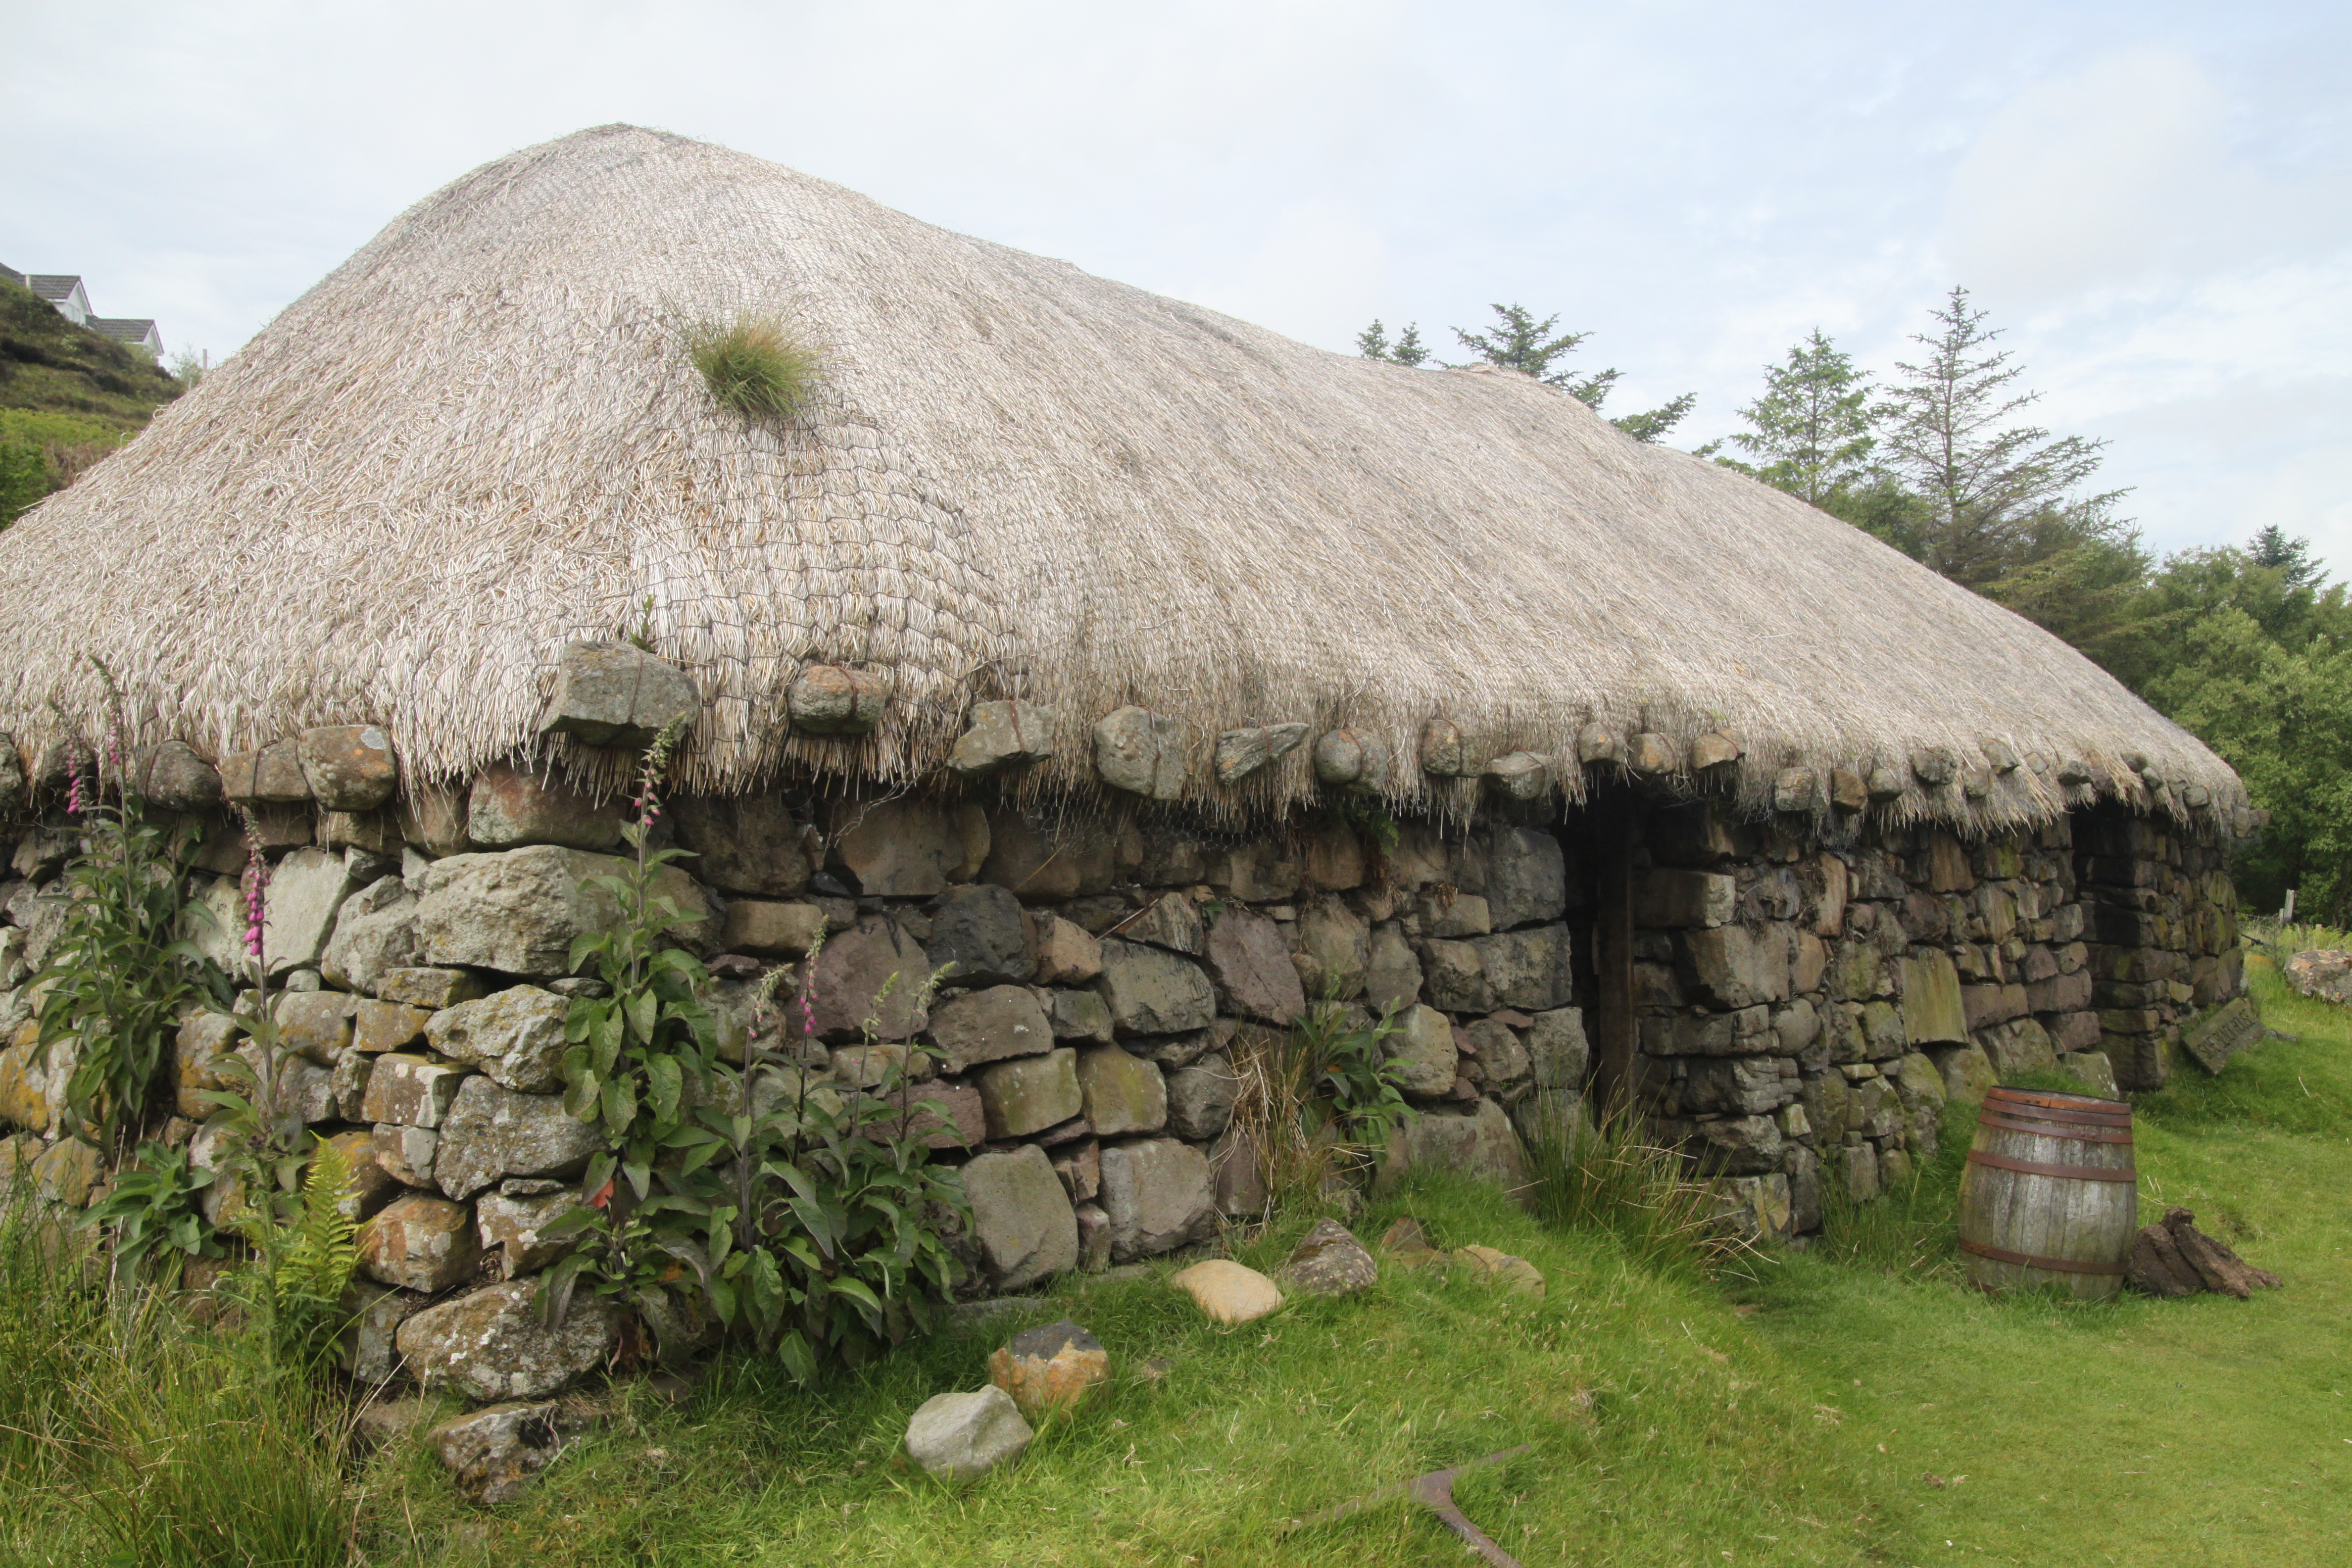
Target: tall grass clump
[
  {"x": 754, "y": 366},
  {"x": 49, "y": 1315},
  {"x": 1912, "y": 1228},
  {"x": 130, "y": 1433},
  {"x": 1318, "y": 1101},
  {"x": 1605, "y": 1173}
]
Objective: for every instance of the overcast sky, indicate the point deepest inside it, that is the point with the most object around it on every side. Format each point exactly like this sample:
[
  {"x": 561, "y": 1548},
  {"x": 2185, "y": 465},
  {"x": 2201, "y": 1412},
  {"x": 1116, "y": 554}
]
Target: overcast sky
[{"x": 2155, "y": 199}]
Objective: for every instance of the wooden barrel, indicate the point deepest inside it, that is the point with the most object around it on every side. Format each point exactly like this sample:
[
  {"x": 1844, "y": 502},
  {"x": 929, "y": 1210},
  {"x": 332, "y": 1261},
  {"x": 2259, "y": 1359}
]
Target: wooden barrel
[{"x": 2049, "y": 1197}]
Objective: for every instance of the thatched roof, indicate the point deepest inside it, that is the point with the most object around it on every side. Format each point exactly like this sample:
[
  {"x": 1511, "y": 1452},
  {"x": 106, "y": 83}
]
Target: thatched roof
[{"x": 481, "y": 437}]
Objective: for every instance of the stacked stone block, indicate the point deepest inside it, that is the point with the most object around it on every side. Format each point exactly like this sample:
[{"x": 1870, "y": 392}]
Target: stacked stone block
[{"x": 2163, "y": 926}]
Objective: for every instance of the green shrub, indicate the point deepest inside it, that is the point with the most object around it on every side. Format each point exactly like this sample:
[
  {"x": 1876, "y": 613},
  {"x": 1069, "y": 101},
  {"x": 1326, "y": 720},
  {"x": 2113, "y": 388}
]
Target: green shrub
[
  {"x": 24, "y": 478},
  {"x": 754, "y": 366},
  {"x": 154, "y": 1207}
]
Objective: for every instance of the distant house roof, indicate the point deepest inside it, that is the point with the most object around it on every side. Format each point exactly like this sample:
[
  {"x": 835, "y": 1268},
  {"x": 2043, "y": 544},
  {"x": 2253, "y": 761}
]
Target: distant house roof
[
  {"x": 64, "y": 290},
  {"x": 139, "y": 332}
]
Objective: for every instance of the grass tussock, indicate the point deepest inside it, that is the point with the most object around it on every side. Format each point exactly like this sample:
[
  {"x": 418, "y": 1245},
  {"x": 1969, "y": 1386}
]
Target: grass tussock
[
  {"x": 753, "y": 365},
  {"x": 1316, "y": 1103},
  {"x": 1605, "y": 1174},
  {"x": 135, "y": 1431},
  {"x": 1912, "y": 1228}
]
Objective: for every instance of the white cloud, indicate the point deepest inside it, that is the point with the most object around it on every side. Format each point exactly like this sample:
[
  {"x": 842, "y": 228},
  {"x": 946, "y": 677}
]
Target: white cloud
[
  {"x": 2156, "y": 199},
  {"x": 2093, "y": 179}
]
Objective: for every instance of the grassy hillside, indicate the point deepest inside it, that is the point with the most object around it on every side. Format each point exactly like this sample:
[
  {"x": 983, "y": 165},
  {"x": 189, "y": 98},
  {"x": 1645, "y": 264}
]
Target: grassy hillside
[
  {"x": 67, "y": 397},
  {"x": 49, "y": 364}
]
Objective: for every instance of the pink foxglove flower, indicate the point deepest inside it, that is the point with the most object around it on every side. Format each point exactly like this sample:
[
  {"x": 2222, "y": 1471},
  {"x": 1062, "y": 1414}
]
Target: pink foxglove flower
[{"x": 257, "y": 878}]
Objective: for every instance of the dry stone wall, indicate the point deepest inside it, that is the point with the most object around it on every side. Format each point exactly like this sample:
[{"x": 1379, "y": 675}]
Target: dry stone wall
[
  {"x": 1101, "y": 987},
  {"x": 1805, "y": 1011},
  {"x": 1801, "y": 1010}
]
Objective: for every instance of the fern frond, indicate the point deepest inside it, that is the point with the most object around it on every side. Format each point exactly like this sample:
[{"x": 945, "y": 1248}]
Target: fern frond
[{"x": 325, "y": 1250}]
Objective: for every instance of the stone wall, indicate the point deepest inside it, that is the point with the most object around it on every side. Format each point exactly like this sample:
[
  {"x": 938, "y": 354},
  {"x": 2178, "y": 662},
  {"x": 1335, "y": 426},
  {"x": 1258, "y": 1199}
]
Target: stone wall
[
  {"x": 1099, "y": 981},
  {"x": 1800, "y": 1011},
  {"x": 1806, "y": 1010}
]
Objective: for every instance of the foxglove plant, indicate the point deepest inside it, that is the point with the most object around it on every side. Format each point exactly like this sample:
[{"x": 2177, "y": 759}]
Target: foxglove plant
[
  {"x": 806, "y": 1220},
  {"x": 120, "y": 973},
  {"x": 641, "y": 1050},
  {"x": 286, "y": 1187}
]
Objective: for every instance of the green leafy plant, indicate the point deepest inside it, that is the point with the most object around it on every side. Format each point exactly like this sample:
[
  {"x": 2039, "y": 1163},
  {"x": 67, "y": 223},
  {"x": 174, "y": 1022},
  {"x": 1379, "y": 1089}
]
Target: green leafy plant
[
  {"x": 641, "y": 1053},
  {"x": 311, "y": 1257},
  {"x": 798, "y": 1216},
  {"x": 119, "y": 976},
  {"x": 155, "y": 1208},
  {"x": 1369, "y": 816},
  {"x": 1353, "y": 1088},
  {"x": 1319, "y": 1100},
  {"x": 754, "y": 366},
  {"x": 831, "y": 1247}
]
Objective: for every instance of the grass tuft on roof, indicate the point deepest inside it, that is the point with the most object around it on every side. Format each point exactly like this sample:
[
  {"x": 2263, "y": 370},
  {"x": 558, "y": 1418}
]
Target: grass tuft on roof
[{"x": 754, "y": 366}]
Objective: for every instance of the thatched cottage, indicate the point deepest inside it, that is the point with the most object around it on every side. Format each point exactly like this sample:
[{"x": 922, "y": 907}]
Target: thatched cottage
[{"x": 1160, "y": 673}]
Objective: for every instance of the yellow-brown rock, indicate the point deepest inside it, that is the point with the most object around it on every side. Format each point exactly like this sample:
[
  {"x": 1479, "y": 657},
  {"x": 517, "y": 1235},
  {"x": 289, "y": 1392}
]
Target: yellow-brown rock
[
  {"x": 1500, "y": 1268},
  {"x": 1050, "y": 1368},
  {"x": 1229, "y": 1291}
]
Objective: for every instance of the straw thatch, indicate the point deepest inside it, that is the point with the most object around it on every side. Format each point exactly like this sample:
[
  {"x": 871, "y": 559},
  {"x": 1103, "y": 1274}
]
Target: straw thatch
[{"x": 481, "y": 437}]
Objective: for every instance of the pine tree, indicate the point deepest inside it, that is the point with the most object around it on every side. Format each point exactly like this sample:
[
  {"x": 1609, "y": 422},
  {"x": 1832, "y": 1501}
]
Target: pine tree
[
  {"x": 1649, "y": 426},
  {"x": 1521, "y": 343},
  {"x": 2289, "y": 557},
  {"x": 1994, "y": 489},
  {"x": 1372, "y": 342},
  {"x": 1812, "y": 427}
]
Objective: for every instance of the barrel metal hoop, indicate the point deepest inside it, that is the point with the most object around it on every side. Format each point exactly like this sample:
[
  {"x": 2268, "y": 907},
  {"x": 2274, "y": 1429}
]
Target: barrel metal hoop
[
  {"x": 2074, "y": 1104},
  {"x": 2073, "y": 1173},
  {"x": 2054, "y": 1113},
  {"x": 2079, "y": 1135},
  {"x": 2027, "y": 1260}
]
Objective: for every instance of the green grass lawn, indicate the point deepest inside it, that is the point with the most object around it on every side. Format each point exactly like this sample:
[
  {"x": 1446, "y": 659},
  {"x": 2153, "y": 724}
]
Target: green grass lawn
[
  {"x": 2205, "y": 1430},
  {"x": 1658, "y": 1432},
  {"x": 1805, "y": 1415}
]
